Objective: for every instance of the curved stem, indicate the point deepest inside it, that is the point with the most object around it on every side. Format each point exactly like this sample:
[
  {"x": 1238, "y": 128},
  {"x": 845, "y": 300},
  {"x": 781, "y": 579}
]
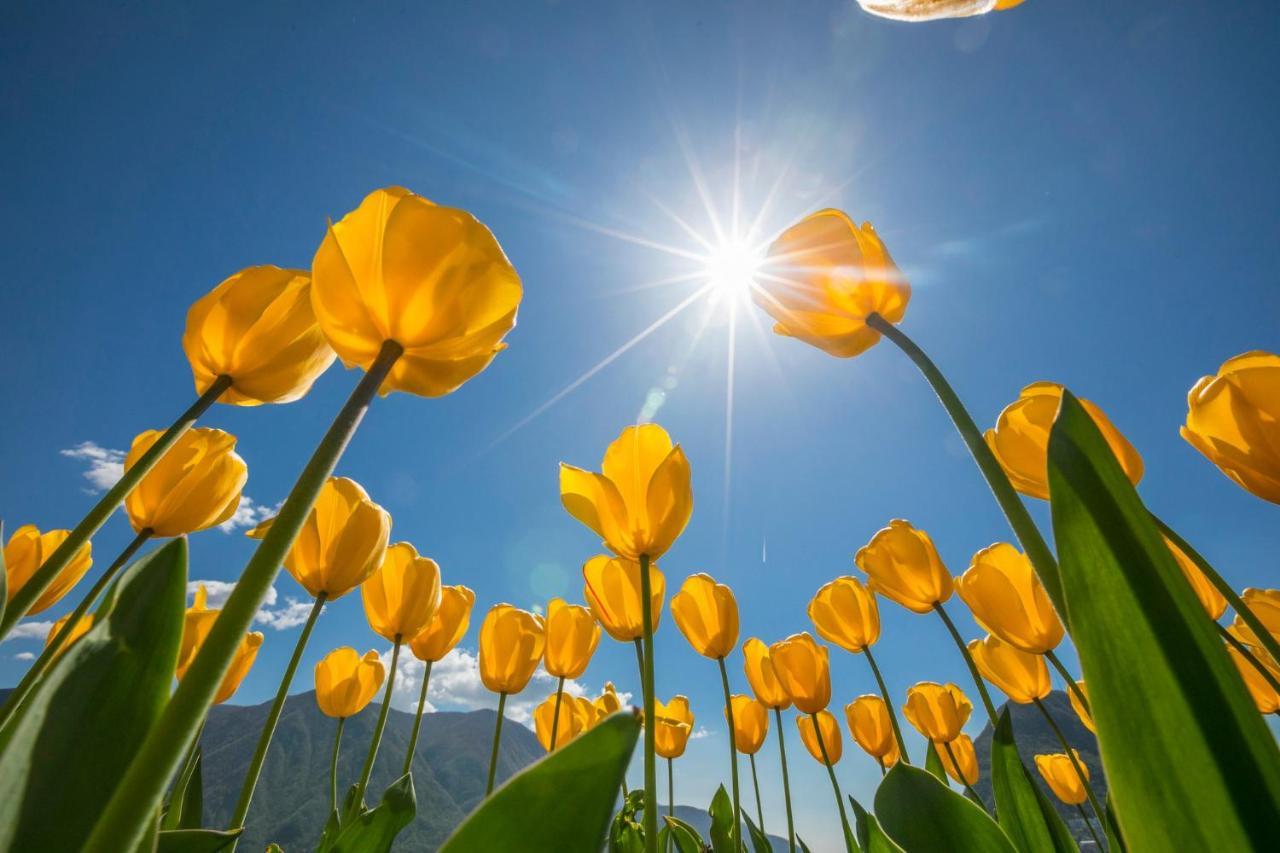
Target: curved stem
[
  {"x": 1249, "y": 656},
  {"x": 650, "y": 763},
  {"x": 417, "y": 721},
  {"x": 1071, "y": 682},
  {"x": 497, "y": 738},
  {"x": 835, "y": 786},
  {"x": 1088, "y": 824},
  {"x": 124, "y": 819},
  {"x": 1075, "y": 762},
  {"x": 333, "y": 766},
  {"x": 755, "y": 783},
  {"x": 884, "y": 771},
  {"x": 888, "y": 703},
  {"x": 555, "y": 716},
  {"x": 968, "y": 659},
  {"x": 21, "y": 601},
  {"x": 372, "y": 755},
  {"x": 786, "y": 783},
  {"x": 733, "y": 756}
]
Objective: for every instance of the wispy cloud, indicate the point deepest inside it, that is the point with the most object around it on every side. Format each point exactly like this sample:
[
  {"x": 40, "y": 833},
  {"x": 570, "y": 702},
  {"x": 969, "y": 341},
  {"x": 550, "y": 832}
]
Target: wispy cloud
[
  {"x": 288, "y": 615},
  {"x": 24, "y": 656},
  {"x": 29, "y": 631},
  {"x": 248, "y": 514},
  {"x": 105, "y": 465}
]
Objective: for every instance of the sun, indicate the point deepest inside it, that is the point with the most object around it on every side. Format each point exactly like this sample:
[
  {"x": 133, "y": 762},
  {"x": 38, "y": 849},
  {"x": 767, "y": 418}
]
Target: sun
[{"x": 732, "y": 267}]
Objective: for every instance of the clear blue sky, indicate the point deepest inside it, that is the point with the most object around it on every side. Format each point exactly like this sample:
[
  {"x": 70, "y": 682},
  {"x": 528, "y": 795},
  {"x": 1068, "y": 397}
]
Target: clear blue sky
[{"x": 1083, "y": 192}]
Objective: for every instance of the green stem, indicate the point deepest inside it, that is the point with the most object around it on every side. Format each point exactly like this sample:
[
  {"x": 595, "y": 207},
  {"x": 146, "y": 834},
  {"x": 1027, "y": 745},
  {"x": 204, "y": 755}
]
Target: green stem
[
  {"x": 1014, "y": 509},
  {"x": 333, "y": 766},
  {"x": 786, "y": 783},
  {"x": 884, "y": 771},
  {"x": 21, "y": 601},
  {"x": 671, "y": 789},
  {"x": 650, "y": 762},
  {"x": 835, "y": 786},
  {"x": 955, "y": 765},
  {"x": 968, "y": 659},
  {"x": 277, "y": 707},
  {"x": 417, "y": 721},
  {"x": 640, "y": 662},
  {"x": 124, "y": 819},
  {"x": 888, "y": 703},
  {"x": 19, "y": 694},
  {"x": 1249, "y": 656},
  {"x": 1071, "y": 682},
  {"x": 733, "y": 756},
  {"x": 1075, "y": 762},
  {"x": 1088, "y": 824},
  {"x": 372, "y": 755},
  {"x": 755, "y": 783},
  {"x": 497, "y": 738},
  {"x": 555, "y": 715}
]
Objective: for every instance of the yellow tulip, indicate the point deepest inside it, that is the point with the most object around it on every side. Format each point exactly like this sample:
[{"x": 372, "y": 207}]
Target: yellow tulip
[
  {"x": 824, "y": 276},
  {"x": 1210, "y": 599},
  {"x": 612, "y": 591},
  {"x": 81, "y": 628},
  {"x": 672, "y": 727},
  {"x": 341, "y": 543},
  {"x": 607, "y": 702},
  {"x": 845, "y": 613},
  {"x": 1007, "y": 598},
  {"x": 1232, "y": 418},
  {"x": 511, "y": 644},
  {"x": 707, "y": 614},
  {"x": 803, "y": 670},
  {"x": 965, "y": 756},
  {"x": 1264, "y": 695},
  {"x": 572, "y": 637},
  {"x": 1060, "y": 774},
  {"x": 1085, "y": 717},
  {"x": 572, "y": 721},
  {"x": 750, "y": 724},
  {"x": 346, "y": 682},
  {"x": 762, "y": 676},
  {"x": 869, "y": 723},
  {"x": 257, "y": 327},
  {"x": 641, "y": 502},
  {"x": 937, "y": 711},
  {"x": 194, "y": 486},
  {"x": 902, "y": 564},
  {"x": 830, "y": 736},
  {"x": 1022, "y": 676},
  {"x": 246, "y": 654},
  {"x": 1265, "y": 604},
  {"x": 402, "y": 596},
  {"x": 447, "y": 627},
  {"x": 431, "y": 278},
  {"x": 585, "y": 709},
  {"x": 27, "y": 550},
  {"x": 1020, "y": 440},
  {"x": 196, "y": 624}
]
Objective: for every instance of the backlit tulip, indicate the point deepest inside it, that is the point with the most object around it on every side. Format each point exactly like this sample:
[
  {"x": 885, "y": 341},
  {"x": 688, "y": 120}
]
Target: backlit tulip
[
  {"x": 1060, "y": 774},
  {"x": 612, "y": 591},
  {"x": 346, "y": 682},
  {"x": 585, "y": 709},
  {"x": 762, "y": 677},
  {"x": 938, "y": 711},
  {"x": 431, "y": 278},
  {"x": 1210, "y": 599},
  {"x": 571, "y": 721},
  {"x": 831, "y": 738},
  {"x": 257, "y": 327},
  {"x": 869, "y": 723},
  {"x": 402, "y": 596},
  {"x": 195, "y": 485},
  {"x": 1007, "y": 598},
  {"x": 1085, "y": 717},
  {"x": 511, "y": 644},
  {"x": 341, "y": 543},
  {"x": 1020, "y": 440},
  {"x": 707, "y": 614},
  {"x": 447, "y": 627},
  {"x": 572, "y": 637},
  {"x": 1265, "y": 604},
  {"x": 607, "y": 702},
  {"x": 1233, "y": 418},
  {"x": 81, "y": 628},
  {"x": 804, "y": 671},
  {"x": 27, "y": 550},
  {"x": 246, "y": 654},
  {"x": 845, "y": 612},
  {"x": 902, "y": 564},
  {"x": 1022, "y": 676},
  {"x": 1264, "y": 695},
  {"x": 824, "y": 276},
  {"x": 932, "y": 10},
  {"x": 965, "y": 767},
  {"x": 750, "y": 724},
  {"x": 672, "y": 727},
  {"x": 196, "y": 624}
]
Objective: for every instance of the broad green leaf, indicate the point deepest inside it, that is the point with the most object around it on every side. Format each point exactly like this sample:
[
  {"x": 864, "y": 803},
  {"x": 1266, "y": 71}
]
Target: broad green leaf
[
  {"x": 871, "y": 837},
  {"x": 375, "y": 830},
  {"x": 923, "y": 815},
  {"x": 83, "y": 722},
  {"x": 1186, "y": 753},
  {"x": 760, "y": 842},
  {"x": 197, "y": 840},
  {"x": 529, "y": 813},
  {"x": 721, "y": 812},
  {"x": 933, "y": 763},
  {"x": 1062, "y": 837},
  {"x": 1017, "y": 804},
  {"x": 685, "y": 838}
]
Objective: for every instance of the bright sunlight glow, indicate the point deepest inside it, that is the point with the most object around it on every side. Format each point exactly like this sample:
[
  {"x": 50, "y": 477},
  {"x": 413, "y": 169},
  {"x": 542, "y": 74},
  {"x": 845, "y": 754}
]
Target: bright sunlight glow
[{"x": 731, "y": 269}]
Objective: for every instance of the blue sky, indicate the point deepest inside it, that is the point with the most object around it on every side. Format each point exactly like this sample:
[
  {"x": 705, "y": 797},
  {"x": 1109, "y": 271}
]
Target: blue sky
[{"x": 1077, "y": 192}]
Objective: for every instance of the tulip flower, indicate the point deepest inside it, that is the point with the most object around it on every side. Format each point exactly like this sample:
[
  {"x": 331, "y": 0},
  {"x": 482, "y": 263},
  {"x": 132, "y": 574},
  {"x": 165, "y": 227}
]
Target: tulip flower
[
  {"x": 763, "y": 678},
  {"x": 1022, "y": 676},
  {"x": 435, "y": 641},
  {"x": 27, "y": 550},
  {"x": 240, "y": 666},
  {"x": 612, "y": 590},
  {"x": 1008, "y": 600},
  {"x": 555, "y": 728},
  {"x": 750, "y": 722},
  {"x": 572, "y": 637},
  {"x": 81, "y": 627},
  {"x": 1061, "y": 776},
  {"x": 401, "y": 598},
  {"x": 1232, "y": 417},
  {"x": 672, "y": 725},
  {"x": 1210, "y": 599},
  {"x": 872, "y": 729},
  {"x": 345, "y": 684},
  {"x": 1265, "y": 605},
  {"x": 431, "y": 279},
  {"x": 804, "y": 671},
  {"x": 960, "y": 760},
  {"x": 820, "y": 734},
  {"x": 196, "y": 624},
  {"x": 257, "y": 327},
  {"x": 1082, "y": 711},
  {"x": 937, "y": 711},
  {"x": 195, "y": 486},
  {"x": 511, "y": 646},
  {"x": 607, "y": 702},
  {"x": 1262, "y": 690},
  {"x": 932, "y": 10}
]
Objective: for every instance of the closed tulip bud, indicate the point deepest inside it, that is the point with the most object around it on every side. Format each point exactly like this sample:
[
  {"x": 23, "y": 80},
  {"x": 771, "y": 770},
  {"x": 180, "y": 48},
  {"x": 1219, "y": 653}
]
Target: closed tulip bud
[
  {"x": 572, "y": 637},
  {"x": 902, "y": 564},
  {"x": 612, "y": 591},
  {"x": 824, "y": 276},
  {"x": 762, "y": 677},
  {"x": 607, "y": 702},
  {"x": 81, "y": 628},
  {"x": 1020, "y": 440},
  {"x": 196, "y": 624},
  {"x": 750, "y": 724},
  {"x": 937, "y": 711},
  {"x": 341, "y": 543},
  {"x": 869, "y": 723},
  {"x": 707, "y": 614},
  {"x": 511, "y": 644},
  {"x": 1059, "y": 772},
  {"x": 1232, "y": 417},
  {"x": 1210, "y": 599},
  {"x": 246, "y": 654},
  {"x": 569, "y": 724},
  {"x": 448, "y": 625},
  {"x": 641, "y": 501},
  {"x": 1263, "y": 694},
  {"x": 1265, "y": 604},
  {"x": 1007, "y": 598},
  {"x": 431, "y": 278},
  {"x": 803, "y": 671},
  {"x": 258, "y": 328},
  {"x": 1022, "y": 676},
  {"x": 402, "y": 596},
  {"x": 672, "y": 727},
  {"x": 965, "y": 767},
  {"x": 194, "y": 486},
  {"x": 845, "y": 613},
  {"x": 27, "y": 550},
  {"x": 1083, "y": 713},
  {"x": 346, "y": 682},
  {"x": 830, "y": 737}
]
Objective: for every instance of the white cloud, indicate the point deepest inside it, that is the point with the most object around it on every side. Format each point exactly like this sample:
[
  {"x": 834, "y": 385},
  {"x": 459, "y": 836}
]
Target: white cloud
[
  {"x": 105, "y": 466},
  {"x": 292, "y": 614},
  {"x": 247, "y": 515},
  {"x": 24, "y": 656},
  {"x": 700, "y": 732},
  {"x": 29, "y": 631}
]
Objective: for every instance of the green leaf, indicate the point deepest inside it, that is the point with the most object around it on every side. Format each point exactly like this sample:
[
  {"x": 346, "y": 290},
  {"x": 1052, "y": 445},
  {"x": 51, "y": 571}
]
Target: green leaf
[
  {"x": 274, "y": 848},
  {"x": 1194, "y": 765},
  {"x": 933, "y": 763},
  {"x": 1017, "y": 805},
  {"x": 721, "y": 811},
  {"x": 375, "y": 830},
  {"x": 186, "y": 800},
  {"x": 82, "y": 724},
  {"x": 871, "y": 837},
  {"x": 803, "y": 846},
  {"x": 197, "y": 840},
  {"x": 760, "y": 842},
  {"x": 684, "y": 836},
  {"x": 923, "y": 815},
  {"x": 529, "y": 813}
]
